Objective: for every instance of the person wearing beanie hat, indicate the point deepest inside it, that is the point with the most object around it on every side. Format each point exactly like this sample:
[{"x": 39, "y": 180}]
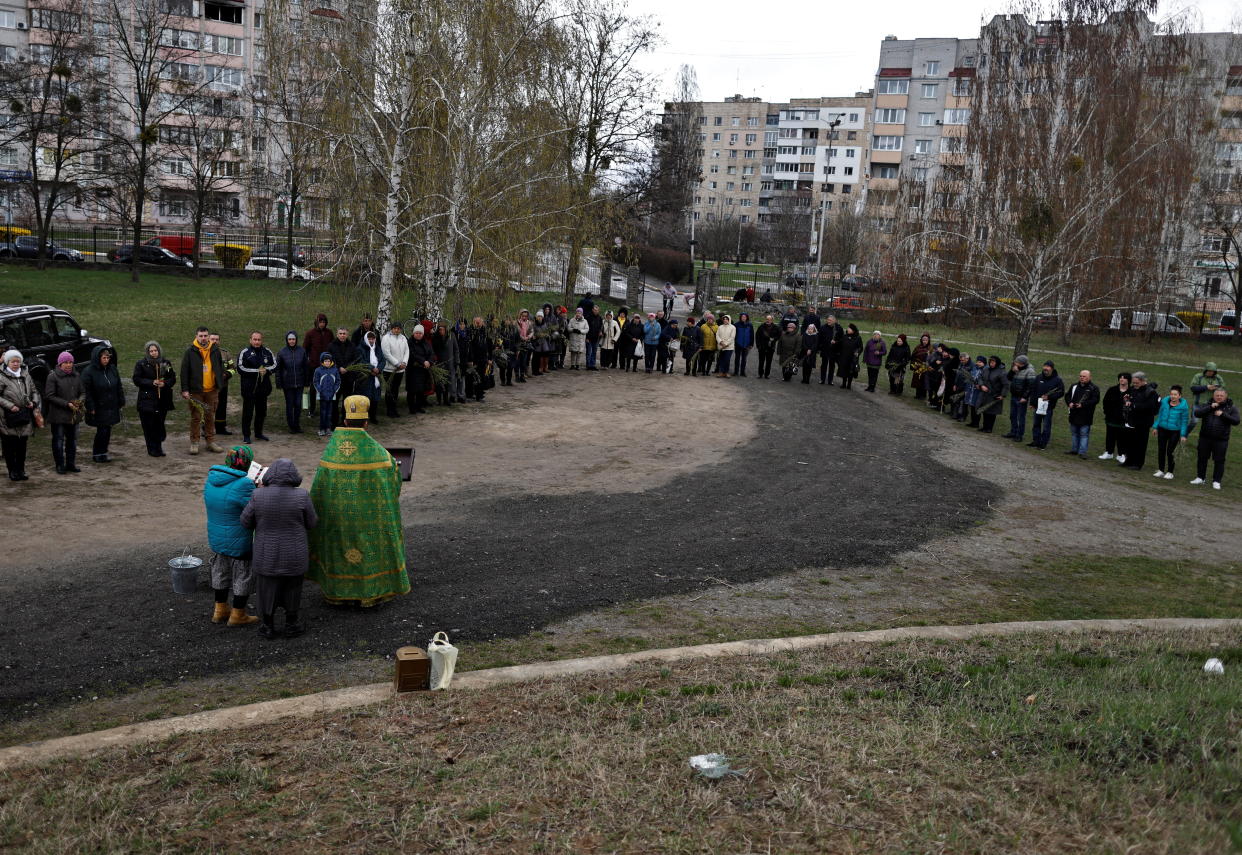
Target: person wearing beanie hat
[
  {"x": 357, "y": 551},
  {"x": 993, "y": 387},
  {"x": 326, "y": 383},
  {"x": 226, "y": 493},
  {"x": 292, "y": 376},
  {"x": 874, "y": 352},
  {"x": 63, "y": 409},
  {"x": 1021, "y": 378},
  {"x": 1048, "y": 389}
]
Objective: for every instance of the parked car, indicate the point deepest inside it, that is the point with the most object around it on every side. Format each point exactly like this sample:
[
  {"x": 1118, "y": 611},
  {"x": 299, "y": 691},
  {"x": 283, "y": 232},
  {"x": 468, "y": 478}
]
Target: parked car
[
  {"x": 41, "y": 333},
  {"x": 1228, "y": 324},
  {"x": 277, "y": 268},
  {"x": 147, "y": 255},
  {"x": 1160, "y": 322},
  {"x": 281, "y": 250},
  {"x": 846, "y": 304},
  {"x": 27, "y": 246},
  {"x": 960, "y": 306},
  {"x": 182, "y": 245}
]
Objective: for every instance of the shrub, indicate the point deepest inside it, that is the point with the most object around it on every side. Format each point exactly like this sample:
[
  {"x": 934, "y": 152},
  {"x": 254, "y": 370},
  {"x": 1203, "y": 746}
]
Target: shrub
[
  {"x": 667, "y": 264},
  {"x": 232, "y": 255}
]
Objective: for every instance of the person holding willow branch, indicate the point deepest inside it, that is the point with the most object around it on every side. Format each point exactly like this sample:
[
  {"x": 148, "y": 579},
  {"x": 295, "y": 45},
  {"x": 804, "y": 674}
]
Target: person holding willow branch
[
  {"x": 201, "y": 370},
  {"x": 154, "y": 378},
  {"x": 396, "y": 356}
]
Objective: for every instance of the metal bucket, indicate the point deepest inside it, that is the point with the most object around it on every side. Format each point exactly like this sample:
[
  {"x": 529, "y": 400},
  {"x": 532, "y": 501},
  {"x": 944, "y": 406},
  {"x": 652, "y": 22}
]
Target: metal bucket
[{"x": 185, "y": 573}]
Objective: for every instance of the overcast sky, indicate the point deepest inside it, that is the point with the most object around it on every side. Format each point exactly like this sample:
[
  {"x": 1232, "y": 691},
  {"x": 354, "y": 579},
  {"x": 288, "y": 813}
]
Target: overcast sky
[{"x": 810, "y": 49}]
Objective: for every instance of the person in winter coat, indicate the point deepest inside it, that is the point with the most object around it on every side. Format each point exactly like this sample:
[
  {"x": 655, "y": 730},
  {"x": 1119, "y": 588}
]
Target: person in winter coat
[
  {"x": 418, "y": 372},
  {"x": 789, "y": 350},
  {"x": 292, "y": 376},
  {"x": 831, "y": 335},
  {"x": 202, "y": 370},
  {"x": 226, "y": 493},
  {"x": 707, "y": 349},
  {"x": 973, "y": 396},
  {"x": 542, "y": 333},
  {"x": 874, "y": 352},
  {"x": 808, "y": 350},
  {"x": 1218, "y": 417},
  {"x": 562, "y": 341},
  {"x": 790, "y": 317},
  {"x": 1048, "y": 387},
  {"x": 396, "y": 358},
  {"x": 364, "y": 327},
  {"x": 726, "y": 341},
  {"x": 896, "y": 363},
  {"x": 105, "y": 396},
  {"x": 851, "y": 349},
  {"x": 578, "y": 329},
  {"x": 525, "y": 344},
  {"x": 943, "y": 397},
  {"x": 993, "y": 387},
  {"x": 478, "y": 358},
  {"x": 742, "y": 343},
  {"x": 595, "y": 331},
  {"x": 256, "y": 365},
  {"x": 20, "y": 402},
  {"x": 326, "y": 383},
  {"x": 632, "y": 335},
  {"x": 317, "y": 339},
  {"x": 1080, "y": 401},
  {"x": 280, "y": 514},
  {"x": 63, "y": 409},
  {"x": 1114, "y": 418},
  {"x": 154, "y": 378},
  {"x": 609, "y": 332},
  {"x": 766, "y": 337},
  {"x": 344, "y": 354},
  {"x": 691, "y": 340},
  {"x": 461, "y": 332},
  {"x": 1170, "y": 428},
  {"x": 1203, "y": 386},
  {"x": 371, "y": 353},
  {"x": 919, "y": 366},
  {"x": 1021, "y": 382},
  {"x": 651, "y": 341},
  {"x": 963, "y": 387},
  {"x": 222, "y": 394},
  {"x": 1141, "y": 404}
]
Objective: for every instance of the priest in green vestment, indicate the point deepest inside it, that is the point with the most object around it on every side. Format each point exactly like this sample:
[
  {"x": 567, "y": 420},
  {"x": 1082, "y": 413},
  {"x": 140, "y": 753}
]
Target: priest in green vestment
[{"x": 357, "y": 552}]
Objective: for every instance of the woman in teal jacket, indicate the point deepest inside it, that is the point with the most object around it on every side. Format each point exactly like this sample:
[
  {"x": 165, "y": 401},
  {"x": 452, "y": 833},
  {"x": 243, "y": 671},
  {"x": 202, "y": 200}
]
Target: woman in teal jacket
[
  {"x": 1170, "y": 429},
  {"x": 226, "y": 494}
]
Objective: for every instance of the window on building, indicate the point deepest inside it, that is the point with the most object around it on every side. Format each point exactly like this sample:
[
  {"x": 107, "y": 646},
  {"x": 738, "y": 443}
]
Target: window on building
[
  {"x": 886, "y": 143},
  {"x": 952, "y": 145},
  {"x": 258, "y": 25},
  {"x": 221, "y": 77},
  {"x": 746, "y": 186},
  {"x": 830, "y": 170},
  {"x": 968, "y": 62},
  {"x": 175, "y": 166},
  {"x": 1213, "y": 243},
  {"x": 769, "y": 138},
  {"x": 1228, "y": 151},
  {"x": 849, "y": 170},
  {"x": 711, "y": 185},
  {"x": 41, "y": 54},
  {"x": 767, "y": 169},
  {"x": 787, "y": 149},
  {"x": 806, "y": 167},
  {"x": 702, "y": 120},
  {"x": 729, "y": 201},
  {"x": 748, "y": 170},
  {"x": 702, "y": 137},
  {"x": 789, "y": 133},
  {"x": 765, "y": 185},
  {"x": 732, "y": 170},
  {"x": 729, "y": 185},
  {"x": 890, "y": 116},
  {"x": 227, "y": 45},
  {"x": 850, "y": 135},
  {"x": 718, "y": 121},
  {"x": 847, "y": 188},
  {"x": 735, "y": 122},
  {"x": 961, "y": 86},
  {"x": 1228, "y": 118},
  {"x": 55, "y": 19},
  {"x": 927, "y": 120},
  {"x": 889, "y": 86},
  {"x": 716, "y": 137},
  {"x": 226, "y": 14},
  {"x": 179, "y": 71},
  {"x": 749, "y": 155},
  {"x": 8, "y": 53},
  {"x": 696, "y": 215},
  {"x": 853, "y": 117},
  {"x": 1233, "y": 85},
  {"x": 919, "y": 173},
  {"x": 851, "y": 152},
  {"x": 187, "y": 39},
  {"x": 714, "y": 168},
  {"x": 956, "y": 117},
  {"x": 715, "y": 152},
  {"x": 932, "y": 68},
  {"x": 808, "y": 149},
  {"x": 745, "y": 218},
  {"x": 752, "y": 122},
  {"x": 8, "y": 155},
  {"x": 185, "y": 8},
  {"x": 711, "y": 217},
  {"x": 922, "y": 146},
  {"x": 698, "y": 200},
  {"x": 931, "y": 90},
  {"x": 8, "y": 19},
  {"x": 884, "y": 172},
  {"x": 750, "y": 138},
  {"x": 227, "y": 168},
  {"x": 173, "y": 206}
]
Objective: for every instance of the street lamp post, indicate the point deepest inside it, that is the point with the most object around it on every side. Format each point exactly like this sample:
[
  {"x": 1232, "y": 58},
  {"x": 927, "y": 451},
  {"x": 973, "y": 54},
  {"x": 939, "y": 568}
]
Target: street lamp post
[{"x": 823, "y": 205}]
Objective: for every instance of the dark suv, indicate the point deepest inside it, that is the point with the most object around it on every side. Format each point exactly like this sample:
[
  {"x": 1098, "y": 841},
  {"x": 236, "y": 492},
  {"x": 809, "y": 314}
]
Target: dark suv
[
  {"x": 40, "y": 333},
  {"x": 281, "y": 250},
  {"x": 27, "y": 246},
  {"x": 147, "y": 255}
]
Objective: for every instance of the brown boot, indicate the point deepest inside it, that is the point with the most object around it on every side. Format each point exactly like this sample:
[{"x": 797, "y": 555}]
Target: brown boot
[
  {"x": 221, "y": 614},
  {"x": 238, "y": 617}
]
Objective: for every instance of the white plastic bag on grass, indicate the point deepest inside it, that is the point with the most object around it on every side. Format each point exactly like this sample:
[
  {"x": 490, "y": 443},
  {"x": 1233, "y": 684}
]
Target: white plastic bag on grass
[
  {"x": 443, "y": 661},
  {"x": 1214, "y": 666}
]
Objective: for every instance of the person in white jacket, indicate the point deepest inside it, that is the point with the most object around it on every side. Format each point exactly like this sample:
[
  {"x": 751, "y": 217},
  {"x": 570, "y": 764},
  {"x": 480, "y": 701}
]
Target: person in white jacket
[
  {"x": 396, "y": 349},
  {"x": 726, "y": 335},
  {"x": 608, "y": 335},
  {"x": 578, "y": 329}
]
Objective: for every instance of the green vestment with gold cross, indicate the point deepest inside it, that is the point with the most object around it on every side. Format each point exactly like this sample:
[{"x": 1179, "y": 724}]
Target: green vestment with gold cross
[{"x": 357, "y": 552}]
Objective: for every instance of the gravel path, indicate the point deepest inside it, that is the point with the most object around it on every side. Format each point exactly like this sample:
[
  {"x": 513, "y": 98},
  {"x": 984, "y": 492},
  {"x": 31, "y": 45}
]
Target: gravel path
[{"x": 821, "y": 481}]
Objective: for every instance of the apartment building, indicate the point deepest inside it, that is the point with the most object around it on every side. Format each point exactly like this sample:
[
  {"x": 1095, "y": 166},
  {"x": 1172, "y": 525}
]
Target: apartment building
[{"x": 731, "y": 141}]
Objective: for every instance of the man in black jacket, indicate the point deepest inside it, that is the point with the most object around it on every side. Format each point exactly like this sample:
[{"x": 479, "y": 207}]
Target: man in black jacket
[
  {"x": 766, "y": 337},
  {"x": 478, "y": 356},
  {"x": 418, "y": 374},
  {"x": 1081, "y": 400},
  {"x": 1216, "y": 419},
  {"x": 1140, "y": 406},
  {"x": 344, "y": 354},
  {"x": 829, "y": 349},
  {"x": 202, "y": 373},
  {"x": 255, "y": 365}
]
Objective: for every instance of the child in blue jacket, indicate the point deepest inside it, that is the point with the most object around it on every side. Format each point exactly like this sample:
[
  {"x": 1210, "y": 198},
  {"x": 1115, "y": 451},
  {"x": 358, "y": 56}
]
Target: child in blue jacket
[
  {"x": 1170, "y": 429},
  {"x": 327, "y": 382}
]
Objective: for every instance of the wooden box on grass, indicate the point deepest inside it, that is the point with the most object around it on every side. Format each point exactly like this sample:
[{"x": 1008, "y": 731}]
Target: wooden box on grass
[{"x": 413, "y": 670}]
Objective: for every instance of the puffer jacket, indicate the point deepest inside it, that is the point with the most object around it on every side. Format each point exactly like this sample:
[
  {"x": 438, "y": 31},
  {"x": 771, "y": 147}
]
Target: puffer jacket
[
  {"x": 651, "y": 333},
  {"x": 152, "y": 398},
  {"x": 1217, "y": 423},
  {"x": 1022, "y": 381},
  {"x": 789, "y": 346},
  {"x": 1169, "y": 417},
  {"x": 609, "y": 333},
  {"x": 226, "y": 494},
  {"x": 59, "y": 390},
  {"x": 280, "y": 514},
  {"x": 726, "y": 336},
  {"x": 578, "y": 329},
  {"x": 745, "y": 335},
  {"x": 1051, "y": 385},
  {"x": 17, "y": 392},
  {"x": 292, "y": 369},
  {"x": 708, "y": 332},
  {"x": 105, "y": 396}
]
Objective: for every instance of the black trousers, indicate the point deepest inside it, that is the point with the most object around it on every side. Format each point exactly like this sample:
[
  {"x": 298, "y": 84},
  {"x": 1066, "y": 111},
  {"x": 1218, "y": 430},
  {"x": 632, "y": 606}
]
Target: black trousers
[
  {"x": 416, "y": 383},
  {"x": 154, "y": 431},
  {"x": 873, "y": 375},
  {"x": 254, "y": 411},
  {"x": 103, "y": 436},
  {"x": 765, "y": 362},
  {"x": 293, "y": 407},
  {"x": 64, "y": 444},
  {"x": 1214, "y": 449},
  {"x": 989, "y": 419},
  {"x": 827, "y": 368},
  {"x": 1166, "y": 445},
  {"x": 1135, "y": 446},
  {"x": 222, "y": 407},
  {"x": 392, "y": 391},
  {"x": 707, "y": 361},
  {"x": 475, "y": 388},
  {"x": 1112, "y": 439},
  {"x": 275, "y": 592},
  {"x": 14, "y": 448}
]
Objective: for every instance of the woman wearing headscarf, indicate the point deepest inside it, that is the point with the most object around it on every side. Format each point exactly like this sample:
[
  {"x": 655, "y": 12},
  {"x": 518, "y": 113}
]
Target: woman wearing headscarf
[
  {"x": 896, "y": 364},
  {"x": 919, "y": 366},
  {"x": 525, "y": 344},
  {"x": 609, "y": 332},
  {"x": 101, "y": 384},
  {"x": 154, "y": 378},
  {"x": 993, "y": 388},
  {"x": 726, "y": 339},
  {"x": 874, "y": 352},
  {"x": 851, "y": 349},
  {"x": 226, "y": 493},
  {"x": 789, "y": 350},
  {"x": 707, "y": 350},
  {"x": 634, "y": 333},
  {"x": 280, "y": 515},
  {"x": 742, "y": 343},
  {"x": 371, "y": 353},
  {"x": 292, "y": 376},
  {"x": 63, "y": 409},
  {"x": 578, "y": 329},
  {"x": 20, "y": 400},
  {"x": 808, "y": 350},
  {"x": 543, "y": 343}
]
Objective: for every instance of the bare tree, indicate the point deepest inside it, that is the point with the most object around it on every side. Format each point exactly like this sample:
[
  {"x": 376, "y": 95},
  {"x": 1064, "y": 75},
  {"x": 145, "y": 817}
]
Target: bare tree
[
  {"x": 844, "y": 240},
  {"x": 1223, "y": 220}
]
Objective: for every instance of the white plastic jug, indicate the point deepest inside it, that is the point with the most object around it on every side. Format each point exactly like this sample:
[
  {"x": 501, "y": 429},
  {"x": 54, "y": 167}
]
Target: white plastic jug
[{"x": 443, "y": 661}]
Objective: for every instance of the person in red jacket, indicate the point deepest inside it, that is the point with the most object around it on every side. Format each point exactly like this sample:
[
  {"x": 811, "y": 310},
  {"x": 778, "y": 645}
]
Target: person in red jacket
[{"x": 315, "y": 342}]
